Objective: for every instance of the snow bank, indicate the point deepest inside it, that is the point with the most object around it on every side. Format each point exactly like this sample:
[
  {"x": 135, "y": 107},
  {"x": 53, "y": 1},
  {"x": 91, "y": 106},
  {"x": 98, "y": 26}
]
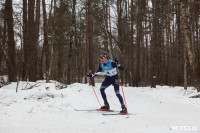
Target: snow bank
[{"x": 41, "y": 107}]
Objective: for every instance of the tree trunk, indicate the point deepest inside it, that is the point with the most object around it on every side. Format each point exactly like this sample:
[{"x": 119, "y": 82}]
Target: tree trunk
[
  {"x": 60, "y": 45},
  {"x": 46, "y": 45},
  {"x": 4, "y": 37},
  {"x": 32, "y": 48},
  {"x": 185, "y": 67},
  {"x": 154, "y": 45},
  {"x": 139, "y": 37},
  {"x": 110, "y": 33},
  {"x": 25, "y": 42},
  {"x": 132, "y": 75},
  {"x": 90, "y": 39},
  {"x": 147, "y": 44},
  {"x": 106, "y": 28},
  {"x": 168, "y": 43},
  {"x": 188, "y": 43},
  {"x": 119, "y": 24},
  {"x": 86, "y": 42},
  {"x": 36, "y": 37},
  {"x": 12, "y": 69},
  {"x": 69, "y": 68}
]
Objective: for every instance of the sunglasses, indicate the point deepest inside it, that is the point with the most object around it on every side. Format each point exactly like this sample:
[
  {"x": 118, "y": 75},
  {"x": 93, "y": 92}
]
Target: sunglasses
[{"x": 101, "y": 58}]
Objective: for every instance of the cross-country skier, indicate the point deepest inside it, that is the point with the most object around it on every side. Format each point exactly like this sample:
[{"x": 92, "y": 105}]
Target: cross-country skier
[{"x": 110, "y": 71}]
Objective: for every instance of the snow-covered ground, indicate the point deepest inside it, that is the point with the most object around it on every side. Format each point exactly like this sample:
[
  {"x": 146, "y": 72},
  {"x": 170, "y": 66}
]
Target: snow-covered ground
[{"x": 44, "y": 109}]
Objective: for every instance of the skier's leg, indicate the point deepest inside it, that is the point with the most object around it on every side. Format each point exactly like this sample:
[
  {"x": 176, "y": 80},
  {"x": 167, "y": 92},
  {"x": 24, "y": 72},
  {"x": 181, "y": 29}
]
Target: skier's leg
[
  {"x": 116, "y": 87},
  {"x": 104, "y": 85},
  {"x": 117, "y": 92}
]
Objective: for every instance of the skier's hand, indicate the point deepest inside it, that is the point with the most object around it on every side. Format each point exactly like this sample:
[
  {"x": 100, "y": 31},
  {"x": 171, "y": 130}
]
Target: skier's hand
[
  {"x": 116, "y": 61},
  {"x": 88, "y": 75}
]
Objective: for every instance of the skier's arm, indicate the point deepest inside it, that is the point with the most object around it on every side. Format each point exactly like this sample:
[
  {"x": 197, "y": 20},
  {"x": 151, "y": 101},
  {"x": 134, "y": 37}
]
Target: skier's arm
[
  {"x": 119, "y": 66},
  {"x": 99, "y": 72}
]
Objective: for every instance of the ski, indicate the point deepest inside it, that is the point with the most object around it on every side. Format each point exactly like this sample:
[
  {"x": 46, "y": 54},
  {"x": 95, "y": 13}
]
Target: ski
[
  {"x": 117, "y": 114},
  {"x": 106, "y": 110},
  {"x": 96, "y": 110}
]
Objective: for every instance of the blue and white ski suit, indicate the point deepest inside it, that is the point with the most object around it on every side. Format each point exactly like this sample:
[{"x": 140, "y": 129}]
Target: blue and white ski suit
[{"x": 110, "y": 71}]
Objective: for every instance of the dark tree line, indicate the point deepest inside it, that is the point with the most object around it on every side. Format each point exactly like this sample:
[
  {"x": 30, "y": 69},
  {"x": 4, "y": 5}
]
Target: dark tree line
[{"x": 157, "y": 41}]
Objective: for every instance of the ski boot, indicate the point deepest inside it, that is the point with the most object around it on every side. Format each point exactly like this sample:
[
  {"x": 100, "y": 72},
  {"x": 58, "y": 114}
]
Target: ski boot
[
  {"x": 105, "y": 107},
  {"x": 124, "y": 110}
]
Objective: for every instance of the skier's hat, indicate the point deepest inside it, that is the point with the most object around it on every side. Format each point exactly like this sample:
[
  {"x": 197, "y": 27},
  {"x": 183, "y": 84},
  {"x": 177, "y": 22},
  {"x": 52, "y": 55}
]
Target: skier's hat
[{"x": 103, "y": 55}]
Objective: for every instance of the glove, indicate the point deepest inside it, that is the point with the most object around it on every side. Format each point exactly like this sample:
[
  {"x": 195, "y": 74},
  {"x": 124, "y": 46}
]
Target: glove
[
  {"x": 88, "y": 75},
  {"x": 116, "y": 61}
]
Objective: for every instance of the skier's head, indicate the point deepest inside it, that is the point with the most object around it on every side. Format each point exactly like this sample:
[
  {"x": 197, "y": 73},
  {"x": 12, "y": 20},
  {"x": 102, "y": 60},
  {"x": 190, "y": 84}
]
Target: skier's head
[{"x": 103, "y": 57}]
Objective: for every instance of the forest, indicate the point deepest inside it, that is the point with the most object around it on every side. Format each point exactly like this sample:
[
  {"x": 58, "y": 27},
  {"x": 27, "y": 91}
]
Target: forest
[{"x": 157, "y": 41}]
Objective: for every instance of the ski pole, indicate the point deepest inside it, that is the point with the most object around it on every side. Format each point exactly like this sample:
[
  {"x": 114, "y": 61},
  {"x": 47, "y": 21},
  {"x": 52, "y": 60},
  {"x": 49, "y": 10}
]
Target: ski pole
[
  {"x": 122, "y": 89},
  {"x": 95, "y": 92}
]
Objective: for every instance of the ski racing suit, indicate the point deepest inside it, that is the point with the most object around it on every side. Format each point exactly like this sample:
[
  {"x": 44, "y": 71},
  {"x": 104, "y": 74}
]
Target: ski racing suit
[{"x": 110, "y": 71}]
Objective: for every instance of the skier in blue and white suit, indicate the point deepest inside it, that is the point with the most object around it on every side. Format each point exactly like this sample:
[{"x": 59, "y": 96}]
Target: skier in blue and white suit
[{"x": 109, "y": 69}]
